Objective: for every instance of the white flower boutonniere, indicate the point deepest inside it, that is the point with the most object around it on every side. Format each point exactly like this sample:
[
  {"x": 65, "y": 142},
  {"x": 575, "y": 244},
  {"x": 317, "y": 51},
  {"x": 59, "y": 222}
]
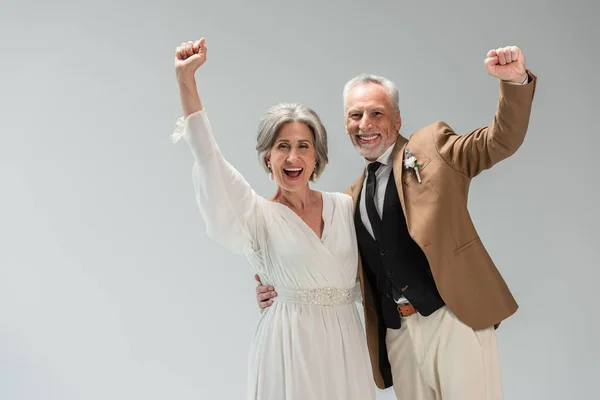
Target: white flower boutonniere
[{"x": 410, "y": 162}]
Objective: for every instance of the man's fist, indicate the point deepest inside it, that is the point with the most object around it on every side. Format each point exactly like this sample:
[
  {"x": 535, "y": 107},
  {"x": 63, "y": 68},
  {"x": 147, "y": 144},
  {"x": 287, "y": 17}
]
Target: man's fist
[
  {"x": 189, "y": 57},
  {"x": 507, "y": 64}
]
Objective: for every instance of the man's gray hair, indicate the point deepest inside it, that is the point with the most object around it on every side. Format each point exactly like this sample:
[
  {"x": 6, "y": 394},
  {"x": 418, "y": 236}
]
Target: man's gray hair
[
  {"x": 279, "y": 114},
  {"x": 363, "y": 79}
]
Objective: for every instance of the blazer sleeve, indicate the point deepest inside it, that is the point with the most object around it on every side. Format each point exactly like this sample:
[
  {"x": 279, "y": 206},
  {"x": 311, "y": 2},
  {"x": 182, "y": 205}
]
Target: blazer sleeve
[{"x": 482, "y": 148}]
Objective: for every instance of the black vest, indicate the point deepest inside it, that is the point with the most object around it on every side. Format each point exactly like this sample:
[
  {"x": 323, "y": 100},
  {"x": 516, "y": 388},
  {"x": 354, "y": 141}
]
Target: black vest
[{"x": 396, "y": 264}]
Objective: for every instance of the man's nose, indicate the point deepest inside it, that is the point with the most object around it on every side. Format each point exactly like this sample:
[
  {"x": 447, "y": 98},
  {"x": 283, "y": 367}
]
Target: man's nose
[{"x": 365, "y": 123}]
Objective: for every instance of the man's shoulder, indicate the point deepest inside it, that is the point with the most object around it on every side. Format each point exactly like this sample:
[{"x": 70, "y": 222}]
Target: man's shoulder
[
  {"x": 436, "y": 128},
  {"x": 431, "y": 137}
]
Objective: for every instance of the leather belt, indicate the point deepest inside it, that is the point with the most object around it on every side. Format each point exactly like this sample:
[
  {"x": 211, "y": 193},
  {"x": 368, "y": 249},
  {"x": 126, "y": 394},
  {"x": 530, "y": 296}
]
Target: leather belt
[{"x": 406, "y": 309}]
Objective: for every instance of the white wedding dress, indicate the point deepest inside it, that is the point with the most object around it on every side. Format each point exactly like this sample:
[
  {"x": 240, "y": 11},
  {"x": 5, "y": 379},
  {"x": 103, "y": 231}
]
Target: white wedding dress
[{"x": 310, "y": 343}]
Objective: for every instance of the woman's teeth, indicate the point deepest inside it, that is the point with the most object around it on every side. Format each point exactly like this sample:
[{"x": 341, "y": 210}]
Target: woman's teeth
[{"x": 292, "y": 172}]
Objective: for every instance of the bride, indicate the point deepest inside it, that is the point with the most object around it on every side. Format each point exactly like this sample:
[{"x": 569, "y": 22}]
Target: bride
[{"x": 310, "y": 343}]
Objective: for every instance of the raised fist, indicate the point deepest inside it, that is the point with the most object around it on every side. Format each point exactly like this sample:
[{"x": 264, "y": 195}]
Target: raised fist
[
  {"x": 189, "y": 57},
  {"x": 507, "y": 64}
]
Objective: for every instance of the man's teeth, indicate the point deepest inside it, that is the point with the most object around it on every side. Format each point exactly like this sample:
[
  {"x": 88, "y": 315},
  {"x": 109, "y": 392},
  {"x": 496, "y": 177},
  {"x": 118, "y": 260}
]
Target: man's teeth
[{"x": 368, "y": 138}]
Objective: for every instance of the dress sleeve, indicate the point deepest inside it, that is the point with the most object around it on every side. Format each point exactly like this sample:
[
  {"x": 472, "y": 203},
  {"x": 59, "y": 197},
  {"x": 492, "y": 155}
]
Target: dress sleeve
[{"x": 227, "y": 203}]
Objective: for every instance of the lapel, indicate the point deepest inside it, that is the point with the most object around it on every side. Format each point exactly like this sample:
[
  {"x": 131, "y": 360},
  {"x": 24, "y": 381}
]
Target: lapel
[
  {"x": 397, "y": 166},
  {"x": 355, "y": 188},
  {"x": 354, "y": 191}
]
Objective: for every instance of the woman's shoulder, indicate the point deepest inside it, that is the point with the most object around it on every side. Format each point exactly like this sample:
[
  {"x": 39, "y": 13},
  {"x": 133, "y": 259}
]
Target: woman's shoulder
[{"x": 339, "y": 197}]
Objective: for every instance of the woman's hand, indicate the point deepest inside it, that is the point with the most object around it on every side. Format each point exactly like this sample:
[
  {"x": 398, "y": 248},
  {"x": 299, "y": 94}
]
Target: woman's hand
[{"x": 188, "y": 58}]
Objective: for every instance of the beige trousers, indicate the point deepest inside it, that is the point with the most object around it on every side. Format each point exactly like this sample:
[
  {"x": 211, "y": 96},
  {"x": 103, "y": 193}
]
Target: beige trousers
[{"x": 440, "y": 358}]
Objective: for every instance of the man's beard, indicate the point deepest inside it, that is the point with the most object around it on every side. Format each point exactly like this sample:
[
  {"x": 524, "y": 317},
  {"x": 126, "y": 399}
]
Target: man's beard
[{"x": 371, "y": 153}]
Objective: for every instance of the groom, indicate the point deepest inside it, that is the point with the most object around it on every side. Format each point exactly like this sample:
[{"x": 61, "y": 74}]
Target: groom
[{"x": 432, "y": 296}]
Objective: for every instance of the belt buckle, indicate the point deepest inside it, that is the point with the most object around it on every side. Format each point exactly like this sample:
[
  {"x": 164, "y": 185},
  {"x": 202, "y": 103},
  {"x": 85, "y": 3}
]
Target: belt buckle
[{"x": 406, "y": 309}]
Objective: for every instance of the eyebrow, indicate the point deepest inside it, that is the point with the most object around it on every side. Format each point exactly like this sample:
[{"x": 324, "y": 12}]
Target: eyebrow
[
  {"x": 287, "y": 141},
  {"x": 355, "y": 110}
]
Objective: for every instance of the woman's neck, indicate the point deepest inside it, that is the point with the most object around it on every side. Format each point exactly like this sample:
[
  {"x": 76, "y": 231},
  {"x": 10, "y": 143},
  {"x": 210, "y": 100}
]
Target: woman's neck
[{"x": 298, "y": 199}]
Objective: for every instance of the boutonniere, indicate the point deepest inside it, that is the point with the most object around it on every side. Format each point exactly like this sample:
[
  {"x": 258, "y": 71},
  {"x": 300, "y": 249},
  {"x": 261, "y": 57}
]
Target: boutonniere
[{"x": 410, "y": 162}]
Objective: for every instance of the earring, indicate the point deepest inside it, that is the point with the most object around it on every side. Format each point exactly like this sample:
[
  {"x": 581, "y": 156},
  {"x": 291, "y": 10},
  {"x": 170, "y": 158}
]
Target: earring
[
  {"x": 270, "y": 172},
  {"x": 313, "y": 176}
]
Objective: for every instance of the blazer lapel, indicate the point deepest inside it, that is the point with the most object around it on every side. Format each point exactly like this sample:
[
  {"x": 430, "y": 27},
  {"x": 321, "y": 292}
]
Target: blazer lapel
[
  {"x": 355, "y": 188},
  {"x": 398, "y": 167}
]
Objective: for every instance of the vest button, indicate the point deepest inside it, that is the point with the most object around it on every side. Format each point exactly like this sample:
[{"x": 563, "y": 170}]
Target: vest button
[
  {"x": 382, "y": 252},
  {"x": 388, "y": 272},
  {"x": 388, "y": 295}
]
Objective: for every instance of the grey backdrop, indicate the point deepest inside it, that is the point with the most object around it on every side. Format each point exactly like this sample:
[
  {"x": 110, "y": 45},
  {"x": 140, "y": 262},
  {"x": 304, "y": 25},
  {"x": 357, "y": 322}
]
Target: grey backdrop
[{"x": 109, "y": 286}]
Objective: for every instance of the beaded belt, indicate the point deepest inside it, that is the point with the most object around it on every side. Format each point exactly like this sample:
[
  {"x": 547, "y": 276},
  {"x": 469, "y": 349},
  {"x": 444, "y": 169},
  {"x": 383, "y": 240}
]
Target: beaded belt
[{"x": 319, "y": 296}]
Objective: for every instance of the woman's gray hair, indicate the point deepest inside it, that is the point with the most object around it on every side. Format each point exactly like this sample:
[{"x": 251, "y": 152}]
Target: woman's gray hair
[
  {"x": 279, "y": 114},
  {"x": 379, "y": 80}
]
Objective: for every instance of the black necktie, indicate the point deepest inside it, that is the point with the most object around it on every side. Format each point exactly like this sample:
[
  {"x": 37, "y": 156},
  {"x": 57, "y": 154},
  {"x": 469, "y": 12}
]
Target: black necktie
[{"x": 370, "y": 199}]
